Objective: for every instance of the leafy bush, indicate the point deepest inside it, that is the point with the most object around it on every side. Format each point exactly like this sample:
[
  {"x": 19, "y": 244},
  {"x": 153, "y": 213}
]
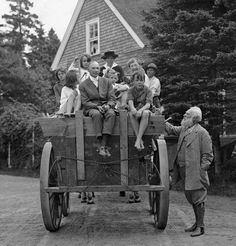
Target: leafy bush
[{"x": 16, "y": 127}]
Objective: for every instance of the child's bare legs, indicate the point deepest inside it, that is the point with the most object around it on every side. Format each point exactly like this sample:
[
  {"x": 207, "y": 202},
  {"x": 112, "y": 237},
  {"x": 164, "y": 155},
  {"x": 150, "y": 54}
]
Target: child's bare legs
[
  {"x": 142, "y": 127},
  {"x": 135, "y": 125}
]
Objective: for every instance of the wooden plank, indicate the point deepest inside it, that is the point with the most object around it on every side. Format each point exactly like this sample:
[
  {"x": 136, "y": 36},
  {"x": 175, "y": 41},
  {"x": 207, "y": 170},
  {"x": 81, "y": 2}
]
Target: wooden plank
[
  {"x": 124, "y": 147},
  {"x": 59, "y": 151},
  {"x": 58, "y": 126},
  {"x": 171, "y": 142},
  {"x": 106, "y": 188},
  {"x": 67, "y": 127},
  {"x": 156, "y": 126},
  {"x": 101, "y": 170},
  {"x": 70, "y": 150},
  {"x": 80, "y": 145},
  {"x": 138, "y": 166}
]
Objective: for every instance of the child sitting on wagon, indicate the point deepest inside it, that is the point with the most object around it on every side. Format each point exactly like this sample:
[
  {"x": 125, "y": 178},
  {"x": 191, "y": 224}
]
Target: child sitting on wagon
[
  {"x": 120, "y": 89},
  {"x": 70, "y": 95},
  {"x": 139, "y": 101}
]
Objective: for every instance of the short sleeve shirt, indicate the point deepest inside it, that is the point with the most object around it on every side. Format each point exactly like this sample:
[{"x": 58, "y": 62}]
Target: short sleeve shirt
[{"x": 140, "y": 97}]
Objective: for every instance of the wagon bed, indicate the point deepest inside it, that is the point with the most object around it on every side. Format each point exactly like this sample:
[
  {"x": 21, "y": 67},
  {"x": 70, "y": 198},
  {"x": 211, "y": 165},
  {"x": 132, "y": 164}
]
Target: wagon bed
[{"x": 70, "y": 163}]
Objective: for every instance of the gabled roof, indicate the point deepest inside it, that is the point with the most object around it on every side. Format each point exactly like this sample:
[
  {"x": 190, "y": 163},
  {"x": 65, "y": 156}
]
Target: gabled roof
[{"x": 129, "y": 12}]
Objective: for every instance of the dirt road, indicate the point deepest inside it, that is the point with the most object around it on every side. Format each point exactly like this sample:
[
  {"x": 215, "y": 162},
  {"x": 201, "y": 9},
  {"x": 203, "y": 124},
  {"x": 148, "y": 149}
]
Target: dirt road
[{"x": 111, "y": 221}]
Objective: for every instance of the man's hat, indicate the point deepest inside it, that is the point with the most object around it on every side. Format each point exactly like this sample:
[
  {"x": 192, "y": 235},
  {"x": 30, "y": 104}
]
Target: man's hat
[
  {"x": 109, "y": 53},
  {"x": 152, "y": 65}
]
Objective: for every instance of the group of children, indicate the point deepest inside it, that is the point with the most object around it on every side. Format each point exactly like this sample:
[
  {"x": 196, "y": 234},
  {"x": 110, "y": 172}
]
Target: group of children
[{"x": 136, "y": 93}]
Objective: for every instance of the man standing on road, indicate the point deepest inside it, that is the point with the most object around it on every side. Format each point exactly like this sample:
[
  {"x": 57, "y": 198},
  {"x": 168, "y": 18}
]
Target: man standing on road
[{"x": 193, "y": 158}]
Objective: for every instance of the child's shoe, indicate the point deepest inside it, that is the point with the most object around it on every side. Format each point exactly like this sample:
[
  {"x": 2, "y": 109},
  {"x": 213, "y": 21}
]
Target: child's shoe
[
  {"x": 83, "y": 197},
  {"x": 131, "y": 198}
]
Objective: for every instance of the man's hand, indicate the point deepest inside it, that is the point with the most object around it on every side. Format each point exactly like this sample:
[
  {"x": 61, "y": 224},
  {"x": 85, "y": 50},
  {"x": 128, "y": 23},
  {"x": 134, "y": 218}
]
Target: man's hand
[
  {"x": 100, "y": 109},
  {"x": 76, "y": 59},
  {"x": 105, "y": 107}
]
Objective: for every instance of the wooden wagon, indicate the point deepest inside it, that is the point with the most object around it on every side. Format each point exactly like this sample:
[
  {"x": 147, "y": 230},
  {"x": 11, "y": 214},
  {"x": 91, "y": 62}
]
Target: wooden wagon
[{"x": 70, "y": 163}]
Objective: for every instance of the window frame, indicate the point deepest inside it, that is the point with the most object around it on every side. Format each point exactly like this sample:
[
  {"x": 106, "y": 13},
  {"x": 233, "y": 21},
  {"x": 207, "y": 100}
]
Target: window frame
[{"x": 88, "y": 40}]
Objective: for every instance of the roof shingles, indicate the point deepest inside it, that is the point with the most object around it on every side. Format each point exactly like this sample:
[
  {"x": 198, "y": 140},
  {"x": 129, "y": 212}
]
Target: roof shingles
[{"x": 131, "y": 10}]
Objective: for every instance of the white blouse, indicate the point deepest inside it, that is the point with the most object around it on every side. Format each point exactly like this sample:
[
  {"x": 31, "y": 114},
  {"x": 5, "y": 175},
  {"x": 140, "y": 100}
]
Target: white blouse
[
  {"x": 65, "y": 94},
  {"x": 153, "y": 84}
]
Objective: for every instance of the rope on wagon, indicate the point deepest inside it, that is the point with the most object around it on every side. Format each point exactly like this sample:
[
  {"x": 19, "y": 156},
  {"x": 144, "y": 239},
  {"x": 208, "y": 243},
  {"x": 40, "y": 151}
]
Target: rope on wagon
[
  {"x": 104, "y": 163},
  {"x": 105, "y": 168}
]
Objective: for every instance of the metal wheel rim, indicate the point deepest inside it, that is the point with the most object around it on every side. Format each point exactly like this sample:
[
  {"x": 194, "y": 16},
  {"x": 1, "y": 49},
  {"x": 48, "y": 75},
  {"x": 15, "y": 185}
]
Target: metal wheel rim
[
  {"x": 156, "y": 207},
  {"x": 51, "y": 203},
  {"x": 66, "y": 204}
]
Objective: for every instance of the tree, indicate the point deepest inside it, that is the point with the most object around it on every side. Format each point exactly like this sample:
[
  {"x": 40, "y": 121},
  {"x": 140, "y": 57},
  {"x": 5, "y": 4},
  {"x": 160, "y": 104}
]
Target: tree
[
  {"x": 43, "y": 49},
  {"x": 193, "y": 44},
  {"x": 21, "y": 25},
  {"x": 25, "y": 91},
  {"x": 16, "y": 128}
]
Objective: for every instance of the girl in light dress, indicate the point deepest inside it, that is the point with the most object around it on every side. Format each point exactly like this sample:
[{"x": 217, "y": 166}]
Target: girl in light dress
[
  {"x": 80, "y": 65},
  {"x": 70, "y": 96}
]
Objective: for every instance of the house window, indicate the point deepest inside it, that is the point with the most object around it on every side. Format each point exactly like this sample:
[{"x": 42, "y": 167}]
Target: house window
[{"x": 93, "y": 37}]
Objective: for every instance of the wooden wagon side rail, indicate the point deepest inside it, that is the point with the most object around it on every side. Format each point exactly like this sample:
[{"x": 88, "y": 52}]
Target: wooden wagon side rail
[
  {"x": 105, "y": 188},
  {"x": 67, "y": 126}
]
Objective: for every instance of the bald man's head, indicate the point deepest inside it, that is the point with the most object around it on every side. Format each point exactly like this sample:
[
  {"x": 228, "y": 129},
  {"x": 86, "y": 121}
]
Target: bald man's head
[{"x": 94, "y": 69}]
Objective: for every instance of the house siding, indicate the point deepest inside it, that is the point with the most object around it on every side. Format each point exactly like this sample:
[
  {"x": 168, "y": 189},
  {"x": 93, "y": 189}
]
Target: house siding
[{"x": 113, "y": 35}]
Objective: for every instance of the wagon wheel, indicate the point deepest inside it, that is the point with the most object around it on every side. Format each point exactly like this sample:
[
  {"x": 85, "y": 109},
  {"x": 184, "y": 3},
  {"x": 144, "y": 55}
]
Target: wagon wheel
[
  {"x": 161, "y": 199},
  {"x": 66, "y": 204},
  {"x": 51, "y": 203},
  {"x": 151, "y": 182}
]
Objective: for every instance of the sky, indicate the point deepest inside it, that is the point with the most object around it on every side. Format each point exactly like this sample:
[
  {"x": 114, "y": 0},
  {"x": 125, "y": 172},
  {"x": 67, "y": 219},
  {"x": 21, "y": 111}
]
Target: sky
[{"x": 54, "y": 14}]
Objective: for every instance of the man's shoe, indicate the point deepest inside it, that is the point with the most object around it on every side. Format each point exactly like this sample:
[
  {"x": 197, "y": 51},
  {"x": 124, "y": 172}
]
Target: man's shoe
[
  {"x": 131, "y": 199},
  {"x": 108, "y": 154},
  {"x": 137, "y": 198},
  {"x": 102, "y": 151},
  {"x": 90, "y": 201},
  {"x": 198, "y": 232},
  {"x": 84, "y": 199},
  {"x": 192, "y": 228}
]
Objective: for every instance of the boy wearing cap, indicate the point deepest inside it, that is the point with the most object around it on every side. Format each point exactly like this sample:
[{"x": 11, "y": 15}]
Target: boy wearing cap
[{"x": 153, "y": 83}]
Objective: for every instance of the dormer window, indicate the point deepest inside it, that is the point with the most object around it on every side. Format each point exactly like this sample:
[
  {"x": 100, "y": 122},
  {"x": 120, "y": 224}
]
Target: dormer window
[{"x": 93, "y": 37}]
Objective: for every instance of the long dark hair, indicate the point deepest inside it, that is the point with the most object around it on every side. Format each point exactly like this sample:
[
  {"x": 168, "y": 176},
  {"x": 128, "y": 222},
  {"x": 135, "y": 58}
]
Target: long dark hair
[
  {"x": 81, "y": 59},
  {"x": 71, "y": 79},
  {"x": 63, "y": 70}
]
